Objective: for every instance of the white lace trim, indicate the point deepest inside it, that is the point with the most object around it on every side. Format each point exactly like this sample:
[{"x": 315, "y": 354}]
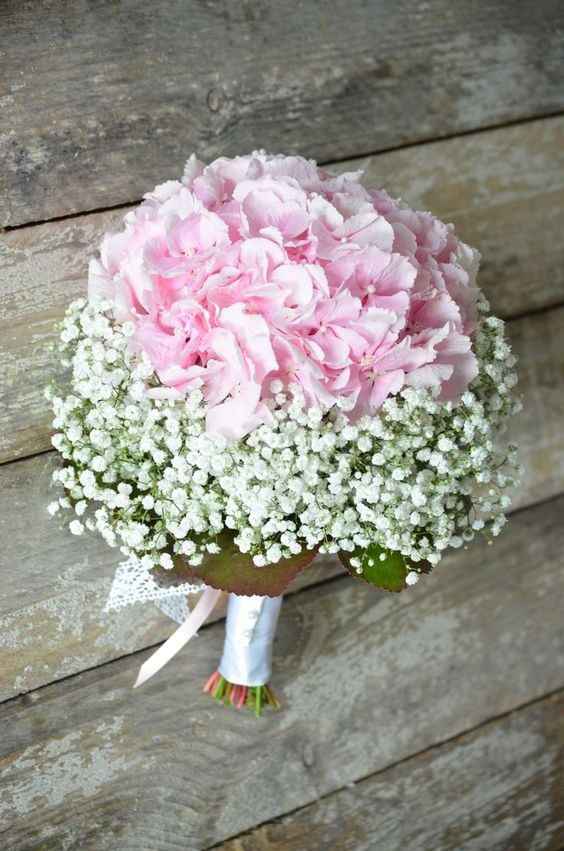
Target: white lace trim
[
  {"x": 174, "y": 607},
  {"x": 134, "y": 583}
]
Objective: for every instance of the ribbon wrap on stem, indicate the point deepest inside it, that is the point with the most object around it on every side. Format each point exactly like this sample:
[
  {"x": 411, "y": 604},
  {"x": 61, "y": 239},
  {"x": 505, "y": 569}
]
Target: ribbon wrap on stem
[
  {"x": 249, "y": 633},
  {"x": 201, "y": 612}
]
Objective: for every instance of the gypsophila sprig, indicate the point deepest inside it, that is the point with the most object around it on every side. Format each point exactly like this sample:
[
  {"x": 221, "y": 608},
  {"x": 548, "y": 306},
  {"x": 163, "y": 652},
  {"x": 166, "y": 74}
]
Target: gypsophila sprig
[{"x": 419, "y": 477}]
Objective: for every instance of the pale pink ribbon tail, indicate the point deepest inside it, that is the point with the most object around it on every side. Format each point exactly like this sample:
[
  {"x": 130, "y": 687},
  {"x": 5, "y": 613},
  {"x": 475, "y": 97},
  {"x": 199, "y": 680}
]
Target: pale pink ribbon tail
[{"x": 182, "y": 636}]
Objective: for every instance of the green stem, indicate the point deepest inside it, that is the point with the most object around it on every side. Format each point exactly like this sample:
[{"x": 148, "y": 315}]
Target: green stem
[{"x": 253, "y": 697}]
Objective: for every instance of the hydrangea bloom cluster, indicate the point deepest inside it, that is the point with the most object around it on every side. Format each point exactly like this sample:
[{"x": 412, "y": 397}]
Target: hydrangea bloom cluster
[{"x": 265, "y": 270}]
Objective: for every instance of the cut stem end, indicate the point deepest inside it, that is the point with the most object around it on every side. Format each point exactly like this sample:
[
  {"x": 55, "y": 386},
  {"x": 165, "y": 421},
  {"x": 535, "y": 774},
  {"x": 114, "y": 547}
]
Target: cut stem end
[{"x": 251, "y": 697}]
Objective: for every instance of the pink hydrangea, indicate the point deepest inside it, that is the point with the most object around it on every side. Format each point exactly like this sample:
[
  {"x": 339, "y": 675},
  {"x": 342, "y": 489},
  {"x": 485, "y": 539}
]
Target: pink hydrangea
[{"x": 264, "y": 268}]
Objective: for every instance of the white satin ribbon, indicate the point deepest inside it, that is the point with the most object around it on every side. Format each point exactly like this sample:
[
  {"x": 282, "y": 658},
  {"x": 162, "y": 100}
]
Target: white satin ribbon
[
  {"x": 249, "y": 634},
  {"x": 182, "y": 636}
]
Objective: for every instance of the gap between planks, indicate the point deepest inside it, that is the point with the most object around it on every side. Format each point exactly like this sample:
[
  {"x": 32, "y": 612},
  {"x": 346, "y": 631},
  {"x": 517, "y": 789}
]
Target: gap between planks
[
  {"x": 28, "y": 698},
  {"x": 277, "y": 834},
  {"x": 315, "y": 85},
  {"x": 476, "y": 132},
  {"x": 232, "y": 844}
]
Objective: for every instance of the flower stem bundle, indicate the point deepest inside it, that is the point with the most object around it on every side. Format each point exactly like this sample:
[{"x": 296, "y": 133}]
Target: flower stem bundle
[{"x": 251, "y": 697}]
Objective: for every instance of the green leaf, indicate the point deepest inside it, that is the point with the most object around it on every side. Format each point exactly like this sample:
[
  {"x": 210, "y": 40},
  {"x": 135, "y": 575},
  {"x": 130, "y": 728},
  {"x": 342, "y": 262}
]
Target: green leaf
[
  {"x": 233, "y": 571},
  {"x": 388, "y": 573}
]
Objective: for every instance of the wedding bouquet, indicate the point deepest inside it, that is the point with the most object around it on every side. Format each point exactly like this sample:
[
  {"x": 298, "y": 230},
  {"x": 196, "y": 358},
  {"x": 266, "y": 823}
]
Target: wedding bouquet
[{"x": 275, "y": 362}]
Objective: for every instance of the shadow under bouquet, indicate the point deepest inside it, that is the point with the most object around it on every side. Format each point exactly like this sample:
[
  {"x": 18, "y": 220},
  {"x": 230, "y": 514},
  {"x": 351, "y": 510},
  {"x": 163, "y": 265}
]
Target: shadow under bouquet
[{"x": 275, "y": 362}]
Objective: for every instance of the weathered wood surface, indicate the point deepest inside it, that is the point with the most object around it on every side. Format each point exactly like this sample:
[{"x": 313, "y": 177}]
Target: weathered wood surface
[
  {"x": 367, "y": 679},
  {"x": 497, "y": 788},
  {"x": 55, "y": 585},
  {"x": 538, "y": 341},
  {"x": 504, "y": 189},
  {"x": 102, "y": 100},
  {"x": 54, "y": 589}
]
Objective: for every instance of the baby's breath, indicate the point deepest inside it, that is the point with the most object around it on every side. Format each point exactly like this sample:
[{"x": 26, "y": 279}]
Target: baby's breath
[{"x": 418, "y": 477}]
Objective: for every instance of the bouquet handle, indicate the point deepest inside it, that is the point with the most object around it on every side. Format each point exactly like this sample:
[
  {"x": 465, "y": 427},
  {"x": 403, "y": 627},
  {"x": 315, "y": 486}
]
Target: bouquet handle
[{"x": 246, "y": 664}]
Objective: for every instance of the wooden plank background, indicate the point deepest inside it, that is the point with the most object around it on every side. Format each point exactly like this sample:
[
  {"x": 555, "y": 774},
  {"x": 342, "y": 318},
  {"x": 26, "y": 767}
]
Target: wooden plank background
[
  {"x": 367, "y": 681},
  {"x": 486, "y": 183},
  {"x": 104, "y": 99},
  {"x": 503, "y": 768},
  {"x": 57, "y": 603},
  {"x": 429, "y": 720}
]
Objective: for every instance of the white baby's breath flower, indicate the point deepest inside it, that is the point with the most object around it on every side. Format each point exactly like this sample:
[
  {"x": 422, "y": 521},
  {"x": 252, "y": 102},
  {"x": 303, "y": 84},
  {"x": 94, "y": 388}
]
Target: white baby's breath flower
[{"x": 410, "y": 478}]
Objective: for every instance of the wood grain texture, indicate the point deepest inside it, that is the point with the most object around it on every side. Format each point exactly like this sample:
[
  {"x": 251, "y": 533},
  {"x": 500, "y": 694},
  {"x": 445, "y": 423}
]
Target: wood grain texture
[
  {"x": 367, "y": 679},
  {"x": 102, "y": 100},
  {"x": 53, "y": 591},
  {"x": 504, "y": 189},
  {"x": 54, "y": 585},
  {"x": 538, "y": 341},
  {"x": 500, "y": 787}
]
